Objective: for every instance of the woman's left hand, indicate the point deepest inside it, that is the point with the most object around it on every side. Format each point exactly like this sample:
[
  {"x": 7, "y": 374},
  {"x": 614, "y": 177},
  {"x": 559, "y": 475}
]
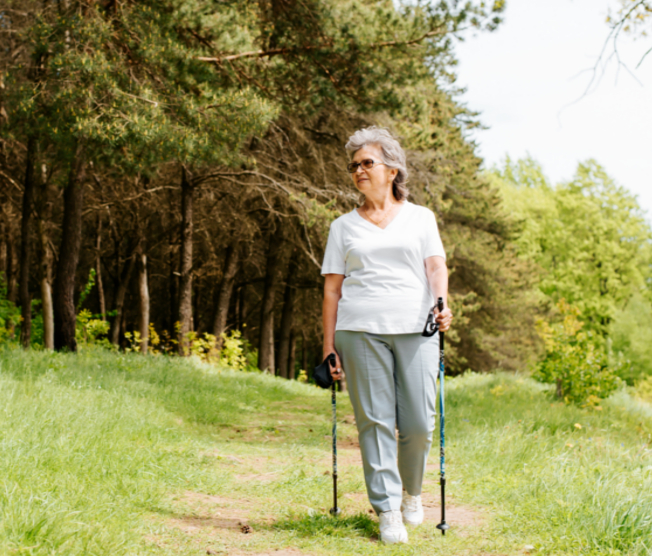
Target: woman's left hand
[{"x": 444, "y": 319}]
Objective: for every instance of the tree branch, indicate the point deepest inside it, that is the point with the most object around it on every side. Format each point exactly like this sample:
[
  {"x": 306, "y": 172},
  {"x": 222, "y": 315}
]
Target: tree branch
[
  {"x": 279, "y": 51},
  {"x": 599, "y": 68}
]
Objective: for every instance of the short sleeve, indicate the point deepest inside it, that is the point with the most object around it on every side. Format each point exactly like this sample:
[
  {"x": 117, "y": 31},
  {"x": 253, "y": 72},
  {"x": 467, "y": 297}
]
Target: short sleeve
[
  {"x": 432, "y": 245},
  {"x": 334, "y": 262}
]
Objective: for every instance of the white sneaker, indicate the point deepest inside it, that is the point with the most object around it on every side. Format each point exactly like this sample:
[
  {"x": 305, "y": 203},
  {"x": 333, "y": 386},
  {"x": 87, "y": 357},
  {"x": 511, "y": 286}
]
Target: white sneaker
[
  {"x": 412, "y": 510},
  {"x": 392, "y": 529}
]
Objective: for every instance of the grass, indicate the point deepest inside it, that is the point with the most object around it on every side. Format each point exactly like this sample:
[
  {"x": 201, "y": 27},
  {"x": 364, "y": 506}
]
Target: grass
[{"x": 122, "y": 454}]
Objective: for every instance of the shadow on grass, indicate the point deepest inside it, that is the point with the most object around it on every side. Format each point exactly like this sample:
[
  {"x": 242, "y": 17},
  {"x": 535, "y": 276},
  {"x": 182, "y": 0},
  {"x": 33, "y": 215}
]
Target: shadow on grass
[{"x": 328, "y": 526}]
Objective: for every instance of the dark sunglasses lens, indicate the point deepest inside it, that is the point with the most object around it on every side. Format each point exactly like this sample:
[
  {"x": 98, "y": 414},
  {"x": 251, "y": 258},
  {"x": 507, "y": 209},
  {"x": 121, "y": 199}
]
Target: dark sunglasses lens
[{"x": 367, "y": 164}]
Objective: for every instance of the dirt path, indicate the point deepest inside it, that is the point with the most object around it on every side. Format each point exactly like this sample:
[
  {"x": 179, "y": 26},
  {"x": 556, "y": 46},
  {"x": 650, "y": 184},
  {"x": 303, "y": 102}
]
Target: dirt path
[{"x": 231, "y": 525}]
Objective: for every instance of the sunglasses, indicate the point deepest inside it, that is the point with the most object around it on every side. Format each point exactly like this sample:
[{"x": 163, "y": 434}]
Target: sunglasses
[{"x": 367, "y": 164}]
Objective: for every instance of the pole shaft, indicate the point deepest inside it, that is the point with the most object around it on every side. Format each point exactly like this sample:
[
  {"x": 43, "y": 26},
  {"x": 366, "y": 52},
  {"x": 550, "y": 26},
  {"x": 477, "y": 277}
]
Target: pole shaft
[
  {"x": 442, "y": 436},
  {"x": 334, "y": 405},
  {"x": 443, "y": 502}
]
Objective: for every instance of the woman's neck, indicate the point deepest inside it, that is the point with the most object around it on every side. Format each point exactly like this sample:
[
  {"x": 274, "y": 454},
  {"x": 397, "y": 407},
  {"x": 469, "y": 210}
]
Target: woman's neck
[{"x": 381, "y": 202}]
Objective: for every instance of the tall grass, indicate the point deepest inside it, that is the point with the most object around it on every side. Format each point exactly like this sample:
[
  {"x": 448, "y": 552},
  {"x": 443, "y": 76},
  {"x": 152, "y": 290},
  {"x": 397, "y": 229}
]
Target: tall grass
[
  {"x": 559, "y": 478},
  {"x": 98, "y": 452}
]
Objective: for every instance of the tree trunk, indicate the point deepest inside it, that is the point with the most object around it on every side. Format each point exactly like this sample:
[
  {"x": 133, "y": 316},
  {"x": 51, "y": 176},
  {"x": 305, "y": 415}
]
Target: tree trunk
[
  {"x": 6, "y": 260},
  {"x": 143, "y": 291},
  {"x": 71, "y": 234},
  {"x": 224, "y": 294},
  {"x": 293, "y": 354},
  {"x": 282, "y": 360},
  {"x": 195, "y": 324},
  {"x": 11, "y": 274},
  {"x": 304, "y": 352},
  {"x": 185, "y": 263},
  {"x": 48, "y": 314},
  {"x": 172, "y": 282},
  {"x": 11, "y": 280},
  {"x": 266, "y": 344},
  {"x": 26, "y": 245},
  {"x": 120, "y": 299},
  {"x": 98, "y": 269},
  {"x": 240, "y": 309},
  {"x": 275, "y": 262},
  {"x": 237, "y": 320},
  {"x": 46, "y": 256},
  {"x": 123, "y": 320},
  {"x": 3, "y": 249}
]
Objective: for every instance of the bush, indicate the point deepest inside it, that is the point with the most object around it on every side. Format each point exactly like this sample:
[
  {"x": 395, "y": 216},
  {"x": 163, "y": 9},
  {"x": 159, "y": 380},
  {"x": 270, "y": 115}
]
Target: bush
[
  {"x": 233, "y": 353},
  {"x": 91, "y": 330},
  {"x": 236, "y": 352},
  {"x": 575, "y": 361},
  {"x": 9, "y": 314},
  {"x": 631, "y": 333}
]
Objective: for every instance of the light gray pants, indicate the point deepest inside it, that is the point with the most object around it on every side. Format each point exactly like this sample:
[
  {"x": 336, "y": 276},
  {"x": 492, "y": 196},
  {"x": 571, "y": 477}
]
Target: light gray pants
[{"x": 391, "y": 380}]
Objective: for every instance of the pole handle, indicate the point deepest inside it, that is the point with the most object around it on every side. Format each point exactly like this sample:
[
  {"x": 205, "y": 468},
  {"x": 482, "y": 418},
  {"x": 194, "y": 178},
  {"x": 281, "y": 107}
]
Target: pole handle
[{"x": 440, "y": 308}]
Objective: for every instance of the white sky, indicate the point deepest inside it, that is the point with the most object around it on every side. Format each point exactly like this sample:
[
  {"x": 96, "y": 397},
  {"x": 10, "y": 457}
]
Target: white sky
[{"x": 525, "y": 77}]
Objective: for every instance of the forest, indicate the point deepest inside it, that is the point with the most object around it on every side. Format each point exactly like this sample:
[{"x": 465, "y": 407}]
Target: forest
[{"x": 169, "y": 171}]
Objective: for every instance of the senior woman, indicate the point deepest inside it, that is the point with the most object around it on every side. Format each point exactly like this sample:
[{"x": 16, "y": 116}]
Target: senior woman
[{"x": 384, "y": 266}]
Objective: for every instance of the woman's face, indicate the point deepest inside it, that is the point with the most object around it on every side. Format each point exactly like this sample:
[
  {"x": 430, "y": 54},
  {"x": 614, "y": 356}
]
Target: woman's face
[{"x": 376, "y": 179}]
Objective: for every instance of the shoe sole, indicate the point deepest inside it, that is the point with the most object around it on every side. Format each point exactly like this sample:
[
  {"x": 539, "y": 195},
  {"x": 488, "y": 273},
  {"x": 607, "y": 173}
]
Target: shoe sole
[{"x": 398, "y": 541}]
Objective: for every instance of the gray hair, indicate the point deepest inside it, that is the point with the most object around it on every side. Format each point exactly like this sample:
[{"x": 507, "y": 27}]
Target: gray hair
[{"x": 392, "y": 152}]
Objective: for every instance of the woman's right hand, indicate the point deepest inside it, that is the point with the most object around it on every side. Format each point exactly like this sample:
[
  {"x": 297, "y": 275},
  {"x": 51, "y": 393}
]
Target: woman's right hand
[{"x": 336, "y": 372}]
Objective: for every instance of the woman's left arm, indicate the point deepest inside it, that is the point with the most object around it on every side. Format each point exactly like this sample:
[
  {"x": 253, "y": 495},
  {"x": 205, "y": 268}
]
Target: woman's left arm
[{"x": 437, "y": 274}]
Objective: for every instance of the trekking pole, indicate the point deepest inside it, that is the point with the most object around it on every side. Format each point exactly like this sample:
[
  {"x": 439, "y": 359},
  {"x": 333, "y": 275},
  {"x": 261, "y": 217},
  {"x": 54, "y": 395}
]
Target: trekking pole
[
  {"x": 334, "y": 510},
  {"x": 443, "y": 526}
]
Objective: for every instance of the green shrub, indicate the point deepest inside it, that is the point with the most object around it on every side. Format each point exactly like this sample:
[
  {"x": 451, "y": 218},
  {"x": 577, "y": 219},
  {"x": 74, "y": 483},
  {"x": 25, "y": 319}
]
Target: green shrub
[
  {"x": 233, "y": 352},
  {"x": 575, "y": 361},
  {"x": 92, "y": 331},
  {"x": 90, "y": 283},
  {"x": 38, "y": 332},
  {"x": 631, "y": 333},
  {"x": 236, "y": 352},
  {"x": 9, "y": 314}
]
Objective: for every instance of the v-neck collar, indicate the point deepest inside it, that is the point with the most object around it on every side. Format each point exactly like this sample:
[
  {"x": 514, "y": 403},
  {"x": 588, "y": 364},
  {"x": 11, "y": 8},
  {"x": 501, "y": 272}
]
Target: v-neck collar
[{"x": 375, "y": 226}]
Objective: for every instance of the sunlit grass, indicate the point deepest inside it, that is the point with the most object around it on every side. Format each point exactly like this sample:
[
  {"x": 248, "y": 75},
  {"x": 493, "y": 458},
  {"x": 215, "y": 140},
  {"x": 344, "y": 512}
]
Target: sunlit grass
[
  {"x": 122, "y": 454},
  {"x": 559, "y": 478}
]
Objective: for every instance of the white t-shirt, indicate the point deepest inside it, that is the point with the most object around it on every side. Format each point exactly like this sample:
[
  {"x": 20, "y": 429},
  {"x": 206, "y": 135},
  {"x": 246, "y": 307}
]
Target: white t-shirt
[{"x": 385, "y": 288}]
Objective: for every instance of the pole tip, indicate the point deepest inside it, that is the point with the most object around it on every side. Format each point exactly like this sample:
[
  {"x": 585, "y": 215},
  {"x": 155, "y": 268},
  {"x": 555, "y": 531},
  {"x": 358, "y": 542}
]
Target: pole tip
[
  {"x": 335, "y": 511},
  {"x": 443, "y": 526}
]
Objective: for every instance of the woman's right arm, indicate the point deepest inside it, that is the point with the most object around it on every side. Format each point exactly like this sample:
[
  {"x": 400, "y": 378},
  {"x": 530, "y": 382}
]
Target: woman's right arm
[{"x": 332, "y": 295}]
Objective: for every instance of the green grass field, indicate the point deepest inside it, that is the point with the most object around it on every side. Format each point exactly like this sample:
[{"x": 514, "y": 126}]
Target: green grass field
[{"x": 122, "y": 454}]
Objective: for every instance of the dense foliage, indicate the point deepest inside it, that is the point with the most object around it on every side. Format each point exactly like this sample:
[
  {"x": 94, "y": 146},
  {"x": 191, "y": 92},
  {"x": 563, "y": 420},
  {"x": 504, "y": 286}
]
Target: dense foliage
[
  {"x": 593, "y": 249},
  {"x": 577, "y": 367}
]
